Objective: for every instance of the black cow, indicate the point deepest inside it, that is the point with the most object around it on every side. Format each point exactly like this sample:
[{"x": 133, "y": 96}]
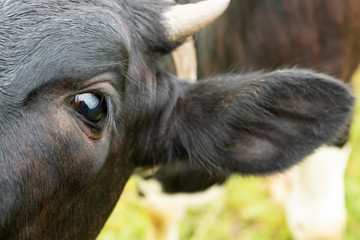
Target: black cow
[{"x": 83, "y": 104}]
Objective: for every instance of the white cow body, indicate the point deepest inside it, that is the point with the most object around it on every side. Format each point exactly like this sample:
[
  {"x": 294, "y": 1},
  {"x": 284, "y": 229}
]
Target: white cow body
[
  {"x": 167, "y": 210},
  {"x": 315, "y": 206}
]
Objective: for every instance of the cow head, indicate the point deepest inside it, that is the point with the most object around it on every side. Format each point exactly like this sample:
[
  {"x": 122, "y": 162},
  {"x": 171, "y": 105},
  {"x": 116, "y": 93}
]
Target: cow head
[{"x": 82, "y": 104}]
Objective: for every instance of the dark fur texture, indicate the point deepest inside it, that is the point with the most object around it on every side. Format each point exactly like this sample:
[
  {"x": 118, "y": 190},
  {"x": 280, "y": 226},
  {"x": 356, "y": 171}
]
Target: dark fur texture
[
  {"x": 181, "y": 177},
  {"x": 60, "y": 176}
]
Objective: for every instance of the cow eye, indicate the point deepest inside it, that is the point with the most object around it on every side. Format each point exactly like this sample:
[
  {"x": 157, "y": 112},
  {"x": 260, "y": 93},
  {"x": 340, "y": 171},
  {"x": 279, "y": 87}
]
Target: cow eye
[{"x": 91, "y": 106}]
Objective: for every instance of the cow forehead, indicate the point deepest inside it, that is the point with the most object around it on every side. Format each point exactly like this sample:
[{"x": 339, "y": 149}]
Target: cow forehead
[{"x": 43, "y": 41}]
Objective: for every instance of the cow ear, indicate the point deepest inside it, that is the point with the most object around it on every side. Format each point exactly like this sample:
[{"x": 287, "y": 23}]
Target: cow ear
[{"x": 259, "y": 123}]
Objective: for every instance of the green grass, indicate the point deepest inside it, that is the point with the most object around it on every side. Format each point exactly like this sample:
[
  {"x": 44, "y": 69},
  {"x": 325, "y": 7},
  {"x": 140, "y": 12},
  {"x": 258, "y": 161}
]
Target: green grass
[
  {"x": 352, "y": 177},
  {"x": 245, "y": 212}
]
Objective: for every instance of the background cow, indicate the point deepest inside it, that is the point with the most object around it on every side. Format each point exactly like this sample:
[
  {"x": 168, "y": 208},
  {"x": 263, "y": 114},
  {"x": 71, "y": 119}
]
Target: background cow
[{"x": 83, "y": 104}]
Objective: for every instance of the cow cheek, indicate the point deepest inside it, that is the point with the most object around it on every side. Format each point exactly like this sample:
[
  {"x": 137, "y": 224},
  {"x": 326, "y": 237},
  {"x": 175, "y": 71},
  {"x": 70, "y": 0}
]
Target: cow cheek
[
  {"x": 79, "y": 156},
  {"x": 47, "y": 155},
  {"x": 63, "y": 153}
]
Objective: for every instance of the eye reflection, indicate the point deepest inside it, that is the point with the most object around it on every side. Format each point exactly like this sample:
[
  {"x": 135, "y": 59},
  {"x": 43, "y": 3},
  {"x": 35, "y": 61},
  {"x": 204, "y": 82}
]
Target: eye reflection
[{"x": 91, "y": 106}]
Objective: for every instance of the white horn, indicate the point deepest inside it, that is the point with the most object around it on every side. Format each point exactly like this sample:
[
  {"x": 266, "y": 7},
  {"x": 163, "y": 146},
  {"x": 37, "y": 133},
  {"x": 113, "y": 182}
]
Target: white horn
[{"x": 182, "y": 21}]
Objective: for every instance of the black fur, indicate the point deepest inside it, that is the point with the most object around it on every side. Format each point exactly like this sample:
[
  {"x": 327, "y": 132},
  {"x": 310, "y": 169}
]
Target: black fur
[
  {"x": 181, "y": 177},
  {"x": 60, "y": 177},
  {"x": 257, "y": 123}
]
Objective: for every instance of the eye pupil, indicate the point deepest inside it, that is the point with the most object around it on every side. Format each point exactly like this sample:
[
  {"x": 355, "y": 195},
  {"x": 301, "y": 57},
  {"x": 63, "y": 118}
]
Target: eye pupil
[{"x": 92, "y": 107}]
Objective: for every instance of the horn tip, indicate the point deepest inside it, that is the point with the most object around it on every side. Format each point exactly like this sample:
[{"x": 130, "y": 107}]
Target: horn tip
[{"x": 180, "y": 25}]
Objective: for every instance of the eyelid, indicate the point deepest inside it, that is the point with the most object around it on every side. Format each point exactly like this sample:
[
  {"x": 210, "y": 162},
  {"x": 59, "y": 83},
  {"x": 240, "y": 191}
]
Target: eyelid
[{"x": 104, "y": 89}]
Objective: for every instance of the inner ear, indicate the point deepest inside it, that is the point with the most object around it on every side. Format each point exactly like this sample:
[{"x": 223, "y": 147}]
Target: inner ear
[{"x": 254, "y": 146}]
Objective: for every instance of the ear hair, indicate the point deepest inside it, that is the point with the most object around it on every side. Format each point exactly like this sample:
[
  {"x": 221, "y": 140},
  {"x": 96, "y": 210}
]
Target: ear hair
[{"x": 259, "y": 123}]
